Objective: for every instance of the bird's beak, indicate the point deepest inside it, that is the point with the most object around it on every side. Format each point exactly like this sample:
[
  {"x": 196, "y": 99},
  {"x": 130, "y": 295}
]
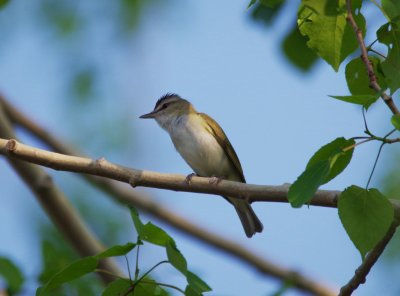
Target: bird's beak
[{"x": 149, "y": 115}]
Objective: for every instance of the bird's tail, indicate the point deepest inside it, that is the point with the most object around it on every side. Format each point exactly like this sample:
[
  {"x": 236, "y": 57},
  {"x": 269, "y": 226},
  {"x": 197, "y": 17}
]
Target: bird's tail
[{"x": 250, "y": 222}]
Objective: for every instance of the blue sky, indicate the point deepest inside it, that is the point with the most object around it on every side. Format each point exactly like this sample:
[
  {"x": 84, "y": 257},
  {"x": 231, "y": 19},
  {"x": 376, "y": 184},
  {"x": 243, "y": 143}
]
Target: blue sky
[{"x": 212, "y": 54}]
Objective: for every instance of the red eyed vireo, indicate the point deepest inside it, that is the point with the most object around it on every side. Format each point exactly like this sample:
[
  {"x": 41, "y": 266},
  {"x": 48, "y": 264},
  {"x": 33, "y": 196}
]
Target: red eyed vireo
[{"x": 204, "y": 146}]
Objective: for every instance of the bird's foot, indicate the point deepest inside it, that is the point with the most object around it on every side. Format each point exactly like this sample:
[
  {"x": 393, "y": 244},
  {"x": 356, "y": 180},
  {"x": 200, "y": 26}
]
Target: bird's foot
[
  {"x": 214, "y": 180},
  {"x": 189, "y": 177}
]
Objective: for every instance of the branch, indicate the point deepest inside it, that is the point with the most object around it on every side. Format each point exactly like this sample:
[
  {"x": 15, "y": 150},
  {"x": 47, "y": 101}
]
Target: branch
[
  {"x": 103, "y": 168},
  {"x": 364, "y": 56},
  {"x": 145, "y": 203},
  {"x": 57, "y": 207},
  {"x": 362, "y": 271}
]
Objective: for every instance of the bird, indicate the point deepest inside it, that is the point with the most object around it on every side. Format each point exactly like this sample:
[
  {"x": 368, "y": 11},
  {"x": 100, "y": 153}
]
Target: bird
[{"x": 204, "y": 146}]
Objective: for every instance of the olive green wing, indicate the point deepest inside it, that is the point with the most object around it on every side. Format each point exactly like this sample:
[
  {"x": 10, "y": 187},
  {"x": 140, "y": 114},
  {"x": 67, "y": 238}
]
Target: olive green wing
[{"x": 223, "y": 141}]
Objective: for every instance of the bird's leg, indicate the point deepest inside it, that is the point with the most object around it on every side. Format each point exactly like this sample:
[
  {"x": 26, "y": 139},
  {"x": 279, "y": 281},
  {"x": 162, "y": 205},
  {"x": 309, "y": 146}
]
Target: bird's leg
[
  {"x": 189, "y": 177},
  {"x": 214, "y": 180}
]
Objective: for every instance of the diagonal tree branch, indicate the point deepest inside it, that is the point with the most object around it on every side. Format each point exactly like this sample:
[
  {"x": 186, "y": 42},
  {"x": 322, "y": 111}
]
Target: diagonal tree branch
[
  {"x": 368, "y": 65},
  {"x": 57, "y": 207},
  {"x": 146, "y": 204}
]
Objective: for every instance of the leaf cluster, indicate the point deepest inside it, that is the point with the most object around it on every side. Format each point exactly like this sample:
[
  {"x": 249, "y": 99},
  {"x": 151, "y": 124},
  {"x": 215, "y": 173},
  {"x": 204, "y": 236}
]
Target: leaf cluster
[{"x": 141, "y": 284}]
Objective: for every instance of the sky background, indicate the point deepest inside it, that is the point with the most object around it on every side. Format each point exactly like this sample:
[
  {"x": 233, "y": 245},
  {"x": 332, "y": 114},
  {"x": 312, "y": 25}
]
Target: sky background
[{"x": 228, "y": 66}]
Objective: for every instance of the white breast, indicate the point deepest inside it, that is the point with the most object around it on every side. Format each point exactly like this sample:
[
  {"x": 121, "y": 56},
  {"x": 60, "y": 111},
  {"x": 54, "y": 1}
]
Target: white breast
[{"x": 199, "y": 148}]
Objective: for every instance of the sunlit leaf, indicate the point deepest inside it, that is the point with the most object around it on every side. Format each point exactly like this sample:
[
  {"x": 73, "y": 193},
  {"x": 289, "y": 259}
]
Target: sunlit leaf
[
  {"x": 329, "y": 161},
  {"x": 330, "y": 36},
  {"x": 333, "y": 152}
]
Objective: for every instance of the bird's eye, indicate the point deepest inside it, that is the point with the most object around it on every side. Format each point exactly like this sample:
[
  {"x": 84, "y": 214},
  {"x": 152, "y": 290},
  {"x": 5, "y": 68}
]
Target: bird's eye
[{"x": 164, "y": 106}]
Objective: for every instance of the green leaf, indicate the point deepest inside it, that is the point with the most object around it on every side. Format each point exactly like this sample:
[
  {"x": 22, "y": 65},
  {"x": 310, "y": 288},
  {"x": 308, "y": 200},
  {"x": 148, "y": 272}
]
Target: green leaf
[
  {"x": 272, "y": 3},
  {"x": 389, "y": 34},
  {"x": 396, "y": 121},
  {"x": 83, "y": 84},
  {"x": 366, "y": 215},
  {"x": 149, "y": 232},
  {"x": 266, "y": 13},
  {"x": 391, "y": 8},
  {"x": 363, "y": 100},
  {"x": 358, "y": 80},
  {"x": 56, "y": 255},
  {"x": 189, "y": 291},
  {"x": 329, "y": 161},
  {"x": 136, "y": 220},
  {"x": 196, "y": 283},
  {"x": 11, "y": 275},
  {"x": 73, "y": 271},
  {"x": 296, "y": 50},
  {"x": 118, "y": 287},
  {"x": 118, "y": 250},
  {"x": 252, "y": 2},
  {"x": 330, "y": 35},
  {"x": 303, "y": 189},
  {"x": 333, "y": 152},
  {"x": 3, "y": 3},
  {"x": 175, "y": 257},
  {"x": 154, "y": 234},
  {"x": 148, "y": 287}
]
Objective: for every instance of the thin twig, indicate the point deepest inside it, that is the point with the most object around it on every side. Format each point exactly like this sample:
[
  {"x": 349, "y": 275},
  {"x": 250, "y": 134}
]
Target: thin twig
[
  {"x": 356, "y": 144},
  {"x": 375, "y": 163},
  {"x": 364, "y": 57},
  {"x": 132, "y": 288},
  {"x": 137, "y": 262},
  {"x": 128, "y": 267},
  {"x": 362, "y": 271},
  {"x": 377, "y": 52},
  {"x": 164, "y": 285}
]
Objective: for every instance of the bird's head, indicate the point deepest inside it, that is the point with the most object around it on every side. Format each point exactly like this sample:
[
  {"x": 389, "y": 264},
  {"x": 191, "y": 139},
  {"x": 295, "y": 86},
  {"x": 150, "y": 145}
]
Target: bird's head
[{"x": 168, "y": 109}]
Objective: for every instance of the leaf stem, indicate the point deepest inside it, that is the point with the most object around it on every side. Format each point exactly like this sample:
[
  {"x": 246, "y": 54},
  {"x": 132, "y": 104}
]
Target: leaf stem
[
  {"x": 99, "y": 270},
  {"x": 137, "y": 262},
  {"x": 164, "y": 285},
  {"x": 150, "y": 270},
  {"x": 375, "y": 163},
  {"x": 377, "y": 52}
]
